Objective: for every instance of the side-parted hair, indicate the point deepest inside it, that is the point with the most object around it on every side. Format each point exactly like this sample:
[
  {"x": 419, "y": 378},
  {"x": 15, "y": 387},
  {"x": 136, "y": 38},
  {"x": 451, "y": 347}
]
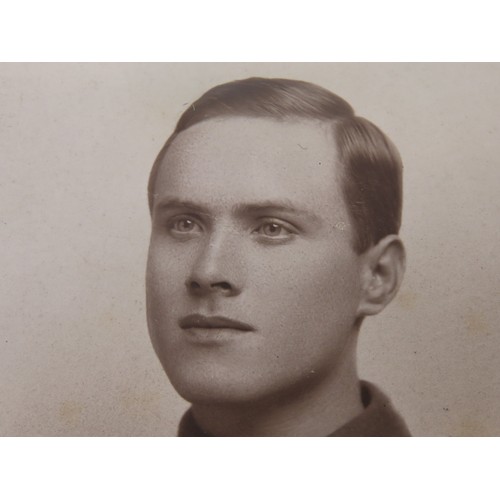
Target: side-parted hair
[{"x": 370, "y": 164}]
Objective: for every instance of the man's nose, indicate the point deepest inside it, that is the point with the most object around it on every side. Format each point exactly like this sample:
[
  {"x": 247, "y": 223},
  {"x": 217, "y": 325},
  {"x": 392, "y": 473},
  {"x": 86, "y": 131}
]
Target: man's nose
[{"x": 218, "y": 267}]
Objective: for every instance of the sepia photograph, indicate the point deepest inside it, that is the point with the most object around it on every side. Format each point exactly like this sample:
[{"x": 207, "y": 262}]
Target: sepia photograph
[{"x": 249, "y": 249}]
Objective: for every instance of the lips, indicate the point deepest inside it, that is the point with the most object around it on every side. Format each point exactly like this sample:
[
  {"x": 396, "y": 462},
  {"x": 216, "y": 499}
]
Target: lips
[{"x": 215, "y": 322}]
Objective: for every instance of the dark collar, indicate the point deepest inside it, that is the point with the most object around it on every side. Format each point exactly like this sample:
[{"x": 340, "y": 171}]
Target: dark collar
[{"x": 378, "y": 419}]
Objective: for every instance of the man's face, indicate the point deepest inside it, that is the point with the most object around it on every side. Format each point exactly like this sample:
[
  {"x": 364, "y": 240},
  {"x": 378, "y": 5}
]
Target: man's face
[{"x": 249, "y": 224}]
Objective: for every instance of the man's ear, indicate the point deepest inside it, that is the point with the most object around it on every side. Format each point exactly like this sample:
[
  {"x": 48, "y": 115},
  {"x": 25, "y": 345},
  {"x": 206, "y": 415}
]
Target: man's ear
[{"x": 382, "y": 272}]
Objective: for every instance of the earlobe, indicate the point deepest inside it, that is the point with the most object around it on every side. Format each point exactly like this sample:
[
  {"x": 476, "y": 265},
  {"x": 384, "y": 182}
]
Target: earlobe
[{"x": 382, "y": 273}]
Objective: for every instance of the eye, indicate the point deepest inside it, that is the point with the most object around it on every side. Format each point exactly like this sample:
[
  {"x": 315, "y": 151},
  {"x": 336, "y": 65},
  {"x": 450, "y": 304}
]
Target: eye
[
  {"x": 271, "y": 229},
  {"x": 275, "y": 230},
  {"x": 184, "y": 225}
]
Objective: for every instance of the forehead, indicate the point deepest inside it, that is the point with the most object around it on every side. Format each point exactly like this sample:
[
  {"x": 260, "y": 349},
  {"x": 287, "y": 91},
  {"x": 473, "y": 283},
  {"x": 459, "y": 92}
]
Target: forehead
[{"x": 233, "y": 160}]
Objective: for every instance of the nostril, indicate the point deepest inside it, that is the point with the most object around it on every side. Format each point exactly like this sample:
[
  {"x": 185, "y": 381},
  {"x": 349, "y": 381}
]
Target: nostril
[
  {"x": 223, "y": 285},
  {"x": 201, "y": 287}
]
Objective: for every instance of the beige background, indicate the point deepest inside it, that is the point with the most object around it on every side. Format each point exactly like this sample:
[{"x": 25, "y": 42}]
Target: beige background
[{"x": 76, "y": 145}]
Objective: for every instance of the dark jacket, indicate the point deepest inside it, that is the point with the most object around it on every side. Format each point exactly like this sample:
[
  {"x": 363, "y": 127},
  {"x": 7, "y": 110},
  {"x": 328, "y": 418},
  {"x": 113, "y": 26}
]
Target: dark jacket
[{"x": 378, "y": 419}]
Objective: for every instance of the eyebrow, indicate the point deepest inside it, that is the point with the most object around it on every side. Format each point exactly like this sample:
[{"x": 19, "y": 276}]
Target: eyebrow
[
  {"x": 284, "y": 206},
  {"x": 171, "y": 203}
]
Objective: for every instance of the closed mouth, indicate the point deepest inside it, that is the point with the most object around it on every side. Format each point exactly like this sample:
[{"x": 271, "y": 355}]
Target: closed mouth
[{"x": 216, "y": 322}]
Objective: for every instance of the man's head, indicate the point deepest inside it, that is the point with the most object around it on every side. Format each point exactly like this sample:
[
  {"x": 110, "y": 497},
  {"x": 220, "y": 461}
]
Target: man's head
[
  {"x": 275, "y": 212},
  {"x": 371, "y": 167}
]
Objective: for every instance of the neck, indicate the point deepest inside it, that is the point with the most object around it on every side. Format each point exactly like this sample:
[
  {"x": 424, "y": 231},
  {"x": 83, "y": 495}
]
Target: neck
[{"x": 316, "y": 410}]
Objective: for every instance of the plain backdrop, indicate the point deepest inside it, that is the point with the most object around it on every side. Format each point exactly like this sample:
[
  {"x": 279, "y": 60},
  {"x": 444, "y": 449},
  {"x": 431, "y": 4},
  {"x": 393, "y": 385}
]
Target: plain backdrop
[{"x": 77, "y": 142}]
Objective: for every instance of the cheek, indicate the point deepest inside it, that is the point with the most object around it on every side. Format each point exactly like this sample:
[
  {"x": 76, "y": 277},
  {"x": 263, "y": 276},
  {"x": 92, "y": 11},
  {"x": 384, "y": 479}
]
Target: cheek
[
  {"x": 165, "y": 283},
  {"x": 310, "y": 296},
  {"x": 166, "y": 270},
  {"x": 316, "y": 270},
  {"x": 164, "y": 287}
]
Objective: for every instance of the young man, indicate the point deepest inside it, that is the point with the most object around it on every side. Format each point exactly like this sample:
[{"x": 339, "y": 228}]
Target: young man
[{"x": 275, "y": 213}]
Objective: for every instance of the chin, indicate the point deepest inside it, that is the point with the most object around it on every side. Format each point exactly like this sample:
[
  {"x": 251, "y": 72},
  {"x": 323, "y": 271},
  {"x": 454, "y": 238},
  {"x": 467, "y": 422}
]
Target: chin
[
  {"x": 214, "y": 388},
  {"x": 233, "y": 387}
]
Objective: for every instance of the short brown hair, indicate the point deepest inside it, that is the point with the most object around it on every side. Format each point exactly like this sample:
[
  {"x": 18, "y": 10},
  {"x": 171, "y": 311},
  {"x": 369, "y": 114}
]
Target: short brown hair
[{"x": 371, "y": 165}]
